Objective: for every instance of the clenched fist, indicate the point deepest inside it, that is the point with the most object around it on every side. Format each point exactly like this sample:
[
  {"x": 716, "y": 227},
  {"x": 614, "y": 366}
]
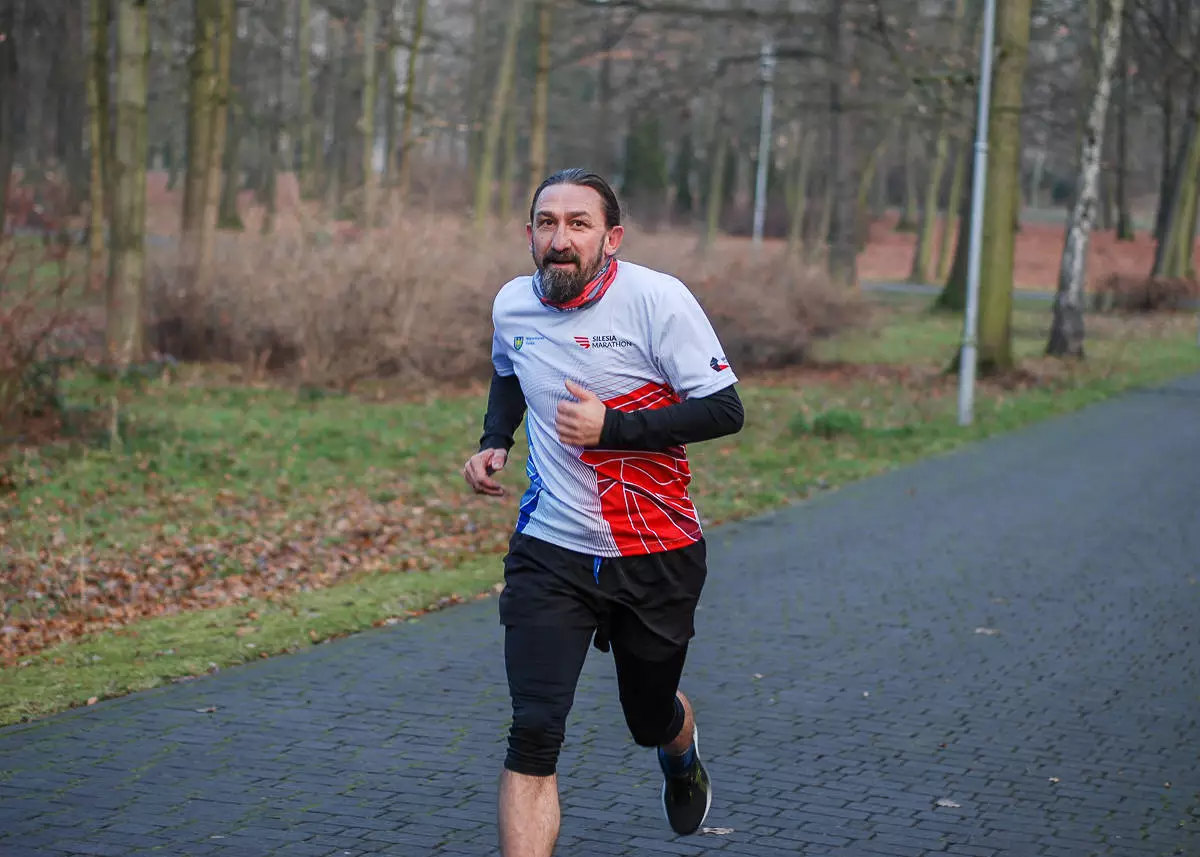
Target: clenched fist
[
  {"x": 479, "y": 469},
  {"x": 580, "y": 422}
]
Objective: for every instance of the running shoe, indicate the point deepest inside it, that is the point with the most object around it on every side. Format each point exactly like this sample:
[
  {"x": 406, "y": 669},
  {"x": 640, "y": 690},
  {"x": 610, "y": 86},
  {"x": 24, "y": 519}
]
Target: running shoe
[{"x": 686, "y": 797}]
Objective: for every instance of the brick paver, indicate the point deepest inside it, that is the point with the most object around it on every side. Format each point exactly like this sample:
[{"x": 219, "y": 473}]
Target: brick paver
[{"x": 843, "y": 685}]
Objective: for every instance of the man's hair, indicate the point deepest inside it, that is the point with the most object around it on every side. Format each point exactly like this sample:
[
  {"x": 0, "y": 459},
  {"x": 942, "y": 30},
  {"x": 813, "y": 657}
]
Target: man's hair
[{"x": 580, "y": 176}]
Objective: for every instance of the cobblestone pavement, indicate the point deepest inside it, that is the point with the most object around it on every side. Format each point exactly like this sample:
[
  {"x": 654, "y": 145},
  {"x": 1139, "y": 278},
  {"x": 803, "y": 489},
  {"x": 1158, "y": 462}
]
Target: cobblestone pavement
[{"x": 994, "y": 652}]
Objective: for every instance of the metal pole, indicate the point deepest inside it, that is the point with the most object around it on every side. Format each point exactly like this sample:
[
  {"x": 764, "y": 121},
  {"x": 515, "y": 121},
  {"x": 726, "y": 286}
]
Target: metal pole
[
  {"x": 764, "y": 140},
  {"x": 966, "y": 369}
]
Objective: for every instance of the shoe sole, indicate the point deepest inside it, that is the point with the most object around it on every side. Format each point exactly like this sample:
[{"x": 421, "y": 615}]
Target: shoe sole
[{"x": 662, "y": 798}]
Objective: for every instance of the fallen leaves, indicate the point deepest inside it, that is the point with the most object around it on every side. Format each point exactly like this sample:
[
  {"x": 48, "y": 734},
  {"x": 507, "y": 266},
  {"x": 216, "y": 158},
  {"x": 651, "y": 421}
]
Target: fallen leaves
[{"x": 51, "y": 597}]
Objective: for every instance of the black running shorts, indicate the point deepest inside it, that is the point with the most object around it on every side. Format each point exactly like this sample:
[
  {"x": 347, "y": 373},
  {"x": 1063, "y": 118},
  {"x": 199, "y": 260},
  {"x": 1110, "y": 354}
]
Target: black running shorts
[{"x": 645, "y": 604}]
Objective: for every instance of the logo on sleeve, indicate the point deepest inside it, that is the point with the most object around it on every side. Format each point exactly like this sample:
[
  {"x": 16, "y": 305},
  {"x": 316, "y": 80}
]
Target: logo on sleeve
[{"x": 718, "y": 365}]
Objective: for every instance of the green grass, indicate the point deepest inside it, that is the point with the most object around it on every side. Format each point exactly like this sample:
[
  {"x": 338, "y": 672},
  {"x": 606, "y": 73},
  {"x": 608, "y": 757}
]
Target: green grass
[
  {"x": 199, "y": 463},
  {"x": 157, "y": 651}
]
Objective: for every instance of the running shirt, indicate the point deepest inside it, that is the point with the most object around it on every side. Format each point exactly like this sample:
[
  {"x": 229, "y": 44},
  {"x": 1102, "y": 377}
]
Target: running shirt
[{"x": 645, "y": 344}]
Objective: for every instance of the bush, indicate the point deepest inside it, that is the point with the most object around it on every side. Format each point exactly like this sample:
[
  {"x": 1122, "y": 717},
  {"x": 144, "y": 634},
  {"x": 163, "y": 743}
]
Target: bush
[
  {"x": 1128, "y": 293},
  {"x": 414, "y": 301},
  {"x": 36, "y": 332},
  {"x": 828, "y": 424}
]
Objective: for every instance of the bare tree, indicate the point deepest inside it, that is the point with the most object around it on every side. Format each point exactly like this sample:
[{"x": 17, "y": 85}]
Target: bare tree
[
  {"x": 127, "y": 270},
  {"x": 1067, "y": 331},
  {"x": 1000, "y": 211}
]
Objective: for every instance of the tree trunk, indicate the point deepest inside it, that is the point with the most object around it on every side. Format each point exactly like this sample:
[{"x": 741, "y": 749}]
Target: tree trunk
[
  {"x": 218, "y": 127},
  {"x": 1125, "y": 231},
  {"x": 127, "y": 267},
  {"x": 98, "y": 142},
  {"x": 953, "y": 207},
  {"x": 1000, "y": 210},
  {"x": 908, "y": 215},
  {"x": 228, "y": 216},
  {"x": 475, "y": 99},
  {"x": 842, "y": 260},
  {"x": 389, "y": 99},
  {"x": 1168, "y": 172},
  {"x": 201, "y": 97},
  {"x": 953, "y": 296},
  {"x": 508, "y": 164},
  {"x": 602, "y": 130},
  {"x": 716, "y": 185},
  {"x": 69, "y": 81},
  {"x": 861, "y": 212},
  {"x": 491, "y": 137},
  {"x": 923, "y": 253},
  {"x": 410, "y": 100},
  {"x": 541, "y": 96},
  {"x": 800, "y": 198},
  {"x": 9, "y": 87},
  {"x": 335, "y": 63},
  {"x": 308, "y": 130},
  {"x": 367, "y": 121},
  {"x": 1183, "y": 185},
  {"x": 1067, "y": 330}
]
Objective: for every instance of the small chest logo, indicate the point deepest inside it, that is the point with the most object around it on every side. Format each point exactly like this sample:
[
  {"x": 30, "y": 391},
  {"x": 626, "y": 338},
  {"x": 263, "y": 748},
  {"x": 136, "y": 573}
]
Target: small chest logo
[
  {"x": 606, "y": 340},
  {"x": 526, "y": 341}
]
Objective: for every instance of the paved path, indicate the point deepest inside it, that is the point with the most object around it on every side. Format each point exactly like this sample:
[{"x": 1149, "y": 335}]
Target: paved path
[{"x": 842, "y": 683}]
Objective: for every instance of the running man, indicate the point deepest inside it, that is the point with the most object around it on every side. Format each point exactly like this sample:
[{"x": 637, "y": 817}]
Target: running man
[{"x": 614, "y": 368}]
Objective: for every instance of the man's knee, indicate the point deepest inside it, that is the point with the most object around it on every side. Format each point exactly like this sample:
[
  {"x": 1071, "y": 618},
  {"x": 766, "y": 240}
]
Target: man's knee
[
  {"x": 534, "y": 740},
  {"x": 653, "y": 727}
]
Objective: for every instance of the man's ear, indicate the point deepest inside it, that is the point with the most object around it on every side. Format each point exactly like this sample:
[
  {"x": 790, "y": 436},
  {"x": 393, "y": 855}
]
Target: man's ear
[{"x": 612, "y": 241}]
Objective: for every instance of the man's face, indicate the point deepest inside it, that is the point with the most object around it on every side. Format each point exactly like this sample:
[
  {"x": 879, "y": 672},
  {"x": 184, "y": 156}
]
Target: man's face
[{"x": 569, "y": 239}]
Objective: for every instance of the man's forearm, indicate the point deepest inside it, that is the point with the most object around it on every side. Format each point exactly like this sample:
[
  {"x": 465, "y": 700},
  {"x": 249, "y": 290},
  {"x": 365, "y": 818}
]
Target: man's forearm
[
  {"x": 505, "y": 410},
  {"x": 690, "y": 421}
]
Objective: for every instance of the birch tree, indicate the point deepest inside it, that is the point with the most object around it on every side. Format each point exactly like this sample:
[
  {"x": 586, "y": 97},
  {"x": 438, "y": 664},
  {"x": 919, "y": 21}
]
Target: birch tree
[{"x": 1067, "y": 331}]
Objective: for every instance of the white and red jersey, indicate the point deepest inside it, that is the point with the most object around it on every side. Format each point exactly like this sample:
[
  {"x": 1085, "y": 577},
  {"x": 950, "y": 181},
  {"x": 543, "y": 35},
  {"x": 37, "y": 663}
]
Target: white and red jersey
[{"x": 645, "y": 344}]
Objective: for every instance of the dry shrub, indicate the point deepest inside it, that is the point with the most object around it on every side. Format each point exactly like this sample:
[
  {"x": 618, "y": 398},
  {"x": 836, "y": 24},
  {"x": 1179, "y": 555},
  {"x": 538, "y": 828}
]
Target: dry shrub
[
  {"x": 36, "y": 329},
  {"x": 768, "y": 310},
  {"x": 1129, "y": 293},
  {"x": 337, "y": 306}
]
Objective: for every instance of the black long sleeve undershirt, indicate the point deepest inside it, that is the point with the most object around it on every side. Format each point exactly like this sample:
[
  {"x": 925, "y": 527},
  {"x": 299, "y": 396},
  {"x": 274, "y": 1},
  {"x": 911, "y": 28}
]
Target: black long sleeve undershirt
[
  {"x": 505, "y": 410},
  {"x": 689, "y": 421}
]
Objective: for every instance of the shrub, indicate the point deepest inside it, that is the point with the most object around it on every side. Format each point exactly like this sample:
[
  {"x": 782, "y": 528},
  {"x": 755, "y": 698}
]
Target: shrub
[
  {"x": 36, "y": 331},
  {"x": 1128, "y": 293},
  {"x": 413, "y": 300}
]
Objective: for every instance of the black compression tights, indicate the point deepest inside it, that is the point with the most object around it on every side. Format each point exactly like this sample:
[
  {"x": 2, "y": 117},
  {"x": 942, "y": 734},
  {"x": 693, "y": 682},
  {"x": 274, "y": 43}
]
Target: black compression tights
[{"x": 543, "y": 666}]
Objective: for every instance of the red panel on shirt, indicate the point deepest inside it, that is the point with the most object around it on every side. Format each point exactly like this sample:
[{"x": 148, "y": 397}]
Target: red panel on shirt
[{"x": 643, "y": 495}]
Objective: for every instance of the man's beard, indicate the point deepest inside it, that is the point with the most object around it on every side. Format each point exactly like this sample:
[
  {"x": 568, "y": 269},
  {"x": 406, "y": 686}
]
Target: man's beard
[{"x": 560, "y": 285}]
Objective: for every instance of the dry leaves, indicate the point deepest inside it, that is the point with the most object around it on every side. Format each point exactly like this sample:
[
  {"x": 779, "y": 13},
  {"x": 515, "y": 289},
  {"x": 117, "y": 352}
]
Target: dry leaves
[{"x": 61, "y": 596}]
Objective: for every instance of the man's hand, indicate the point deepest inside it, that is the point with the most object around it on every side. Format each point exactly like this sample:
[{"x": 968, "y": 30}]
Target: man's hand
[
  {"x": 479, "y": 469},
  {"x": 580, "y": 422}
]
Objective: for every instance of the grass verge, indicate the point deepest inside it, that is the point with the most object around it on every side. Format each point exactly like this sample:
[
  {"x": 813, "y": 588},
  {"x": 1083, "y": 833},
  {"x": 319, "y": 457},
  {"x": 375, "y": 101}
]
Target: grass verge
[{"x": 261, "y": 521}]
